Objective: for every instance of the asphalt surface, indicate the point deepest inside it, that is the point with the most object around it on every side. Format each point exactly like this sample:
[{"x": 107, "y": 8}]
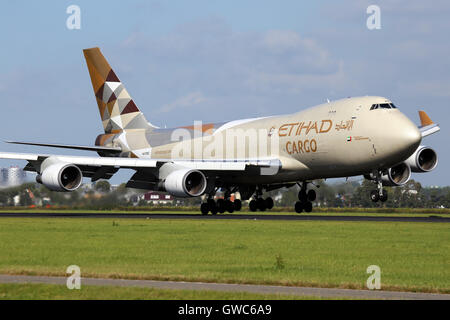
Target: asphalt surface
[
  {"x": 261, "y": 289},
  {"x": 228, "y": 216}
]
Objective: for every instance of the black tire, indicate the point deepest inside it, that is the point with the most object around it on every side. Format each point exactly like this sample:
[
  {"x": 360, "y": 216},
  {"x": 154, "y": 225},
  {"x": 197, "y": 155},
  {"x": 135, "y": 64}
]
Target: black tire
[
  {"x": 307, "y": 206},
  {"x": 213, "y": 210},
  {"x": 374, "y": 196},
  {"x": 253, "y": 206},
  {"x": 230, "y": 206},
  {"x": 261, "y": 204},
  {"x": 312, "y": 195},
  {"x": 212, "y": 205},
  {"x": 237, "y": 205},
  {"x": 204, "y": 208},
  {"x": 384, "y": 196},
  {"x": 298, "y": 207},
  {"x": 269, "y": 203},
  {"x": 221, "y": 206},
  {"x": 302, "y": 196}
]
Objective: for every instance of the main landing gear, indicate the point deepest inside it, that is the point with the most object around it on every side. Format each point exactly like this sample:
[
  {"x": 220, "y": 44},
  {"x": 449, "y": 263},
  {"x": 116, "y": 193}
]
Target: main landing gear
[
  {"x": 259, "y": 203},
  {"x": 221, "y": 205},
  {"x": 305, "y": 198},
  {"x": 379, "y": 194}
]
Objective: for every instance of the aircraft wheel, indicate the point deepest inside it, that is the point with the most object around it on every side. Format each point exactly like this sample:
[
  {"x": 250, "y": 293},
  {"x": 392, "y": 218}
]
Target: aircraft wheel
[
  {"x": 307, "y": 206},
  {"x": 302, "y": 196},
  {"x": 384, "y": 196},
  {"x": 261, "y": 204},
  {"x": 221, "y": 206},
  {"x": 269, "y": 203},
  {"x": 299, "y": 207},
  {"x": 237, "y": 205},
  {"x": 212, "y": 206},
  {"x": 253, "y": 205},
  {"x": 311, "y": 195},
  {"x": 230, "y": 206},
  {"x": 374, "y": 196},
  {"x": 211, "y": 203},
  {"x": 204, "y": 208}
]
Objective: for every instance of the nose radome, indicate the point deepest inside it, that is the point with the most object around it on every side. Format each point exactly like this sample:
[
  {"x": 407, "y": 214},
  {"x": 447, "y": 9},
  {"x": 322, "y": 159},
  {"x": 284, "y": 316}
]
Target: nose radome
[
  {"x": 409, "y": 135},
  {"x": 413, "y": 135}
]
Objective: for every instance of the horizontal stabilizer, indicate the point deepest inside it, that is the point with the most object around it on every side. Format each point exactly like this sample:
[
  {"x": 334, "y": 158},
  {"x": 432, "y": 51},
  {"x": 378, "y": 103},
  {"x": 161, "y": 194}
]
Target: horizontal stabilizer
[{"x": 66, "y": 146}]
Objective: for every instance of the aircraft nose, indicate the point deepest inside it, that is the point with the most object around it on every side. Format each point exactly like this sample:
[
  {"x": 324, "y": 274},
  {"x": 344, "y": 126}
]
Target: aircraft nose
[
  {"x": 408, "y": 135},
  {"x": 412, "y": 135}
]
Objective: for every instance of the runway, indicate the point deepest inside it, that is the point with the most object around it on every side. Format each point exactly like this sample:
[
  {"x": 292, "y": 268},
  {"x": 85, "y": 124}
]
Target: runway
[
  {"x": 229, "y": 216},
  {"x": 261, "y": 289}
]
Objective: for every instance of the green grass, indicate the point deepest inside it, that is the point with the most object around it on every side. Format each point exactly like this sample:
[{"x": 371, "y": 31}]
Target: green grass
[
  {"x": 60, "y": 292},
  {"x": 321, "y": 212},
  {"x": 412, "y": 256}
]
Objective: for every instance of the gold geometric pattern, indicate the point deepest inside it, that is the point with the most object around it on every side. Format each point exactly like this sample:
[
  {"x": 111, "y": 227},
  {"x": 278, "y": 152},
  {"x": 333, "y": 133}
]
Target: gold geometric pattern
[{"x": 117, "y": 110}]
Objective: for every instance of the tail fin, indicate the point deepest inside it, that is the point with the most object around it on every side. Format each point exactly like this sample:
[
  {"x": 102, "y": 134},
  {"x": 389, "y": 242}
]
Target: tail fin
[{"x": 117, "y": 109}]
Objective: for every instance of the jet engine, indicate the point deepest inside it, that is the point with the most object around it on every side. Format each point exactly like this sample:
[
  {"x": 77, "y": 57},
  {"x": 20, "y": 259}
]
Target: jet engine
[
  {"x": 61, "y": 176},
  {"x": 396, "y": 176},
  {"x": 185, "y": 183},
  {"x": 424, "y": 159}
]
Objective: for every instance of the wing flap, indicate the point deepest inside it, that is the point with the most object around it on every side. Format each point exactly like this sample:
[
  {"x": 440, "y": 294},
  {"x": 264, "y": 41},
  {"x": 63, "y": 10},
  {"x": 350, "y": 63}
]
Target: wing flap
[{"x": 430, "y": 129}]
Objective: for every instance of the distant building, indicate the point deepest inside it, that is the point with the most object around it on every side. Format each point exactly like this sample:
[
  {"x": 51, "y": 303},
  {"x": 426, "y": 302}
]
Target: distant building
[
  {"x": 12, "y": 176},
  {"x": 158, "y": 197}
]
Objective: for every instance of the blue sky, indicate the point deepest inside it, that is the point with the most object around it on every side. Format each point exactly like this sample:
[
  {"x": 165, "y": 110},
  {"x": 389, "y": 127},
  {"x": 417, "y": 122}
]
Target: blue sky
[{"x": 220, "y": 60}]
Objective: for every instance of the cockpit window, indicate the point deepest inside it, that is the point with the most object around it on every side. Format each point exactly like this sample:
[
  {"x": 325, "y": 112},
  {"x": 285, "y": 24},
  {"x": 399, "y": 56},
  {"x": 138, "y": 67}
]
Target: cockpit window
[{"x": 383, "y": 106}]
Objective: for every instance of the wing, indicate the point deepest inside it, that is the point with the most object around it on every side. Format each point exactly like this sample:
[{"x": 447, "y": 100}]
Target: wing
[
  {"x": 91, "y": 167},
  {"x": 105, "y": 167},
  {"x": 427, "y": 126},
  {"x": 68, "y": 146}
]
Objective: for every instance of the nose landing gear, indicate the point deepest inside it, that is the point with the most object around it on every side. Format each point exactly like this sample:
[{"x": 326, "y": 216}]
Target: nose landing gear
[
  {"x": 379, "y": 194},
  {"x": 305, "y": 199}
]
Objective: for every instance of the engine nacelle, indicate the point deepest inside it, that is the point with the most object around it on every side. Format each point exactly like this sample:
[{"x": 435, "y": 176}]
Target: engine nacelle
[
  {"x": 61, "y": 176},
  {"x": 185, "y": 183},
  {"x": 397, "y": 175},
  {"x": 424, "y": 159}
]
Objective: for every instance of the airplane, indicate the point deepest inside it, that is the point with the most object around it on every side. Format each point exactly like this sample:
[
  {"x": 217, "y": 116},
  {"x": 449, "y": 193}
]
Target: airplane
[{"x": 366, "y": 136}]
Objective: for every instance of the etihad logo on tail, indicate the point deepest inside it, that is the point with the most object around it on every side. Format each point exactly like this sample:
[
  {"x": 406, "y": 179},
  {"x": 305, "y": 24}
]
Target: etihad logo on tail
[{"x": 117, "y": 109}]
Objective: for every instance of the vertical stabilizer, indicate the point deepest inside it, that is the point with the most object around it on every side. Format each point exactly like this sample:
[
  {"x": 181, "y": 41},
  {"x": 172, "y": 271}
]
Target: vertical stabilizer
[{"x": 117, "y": 109}]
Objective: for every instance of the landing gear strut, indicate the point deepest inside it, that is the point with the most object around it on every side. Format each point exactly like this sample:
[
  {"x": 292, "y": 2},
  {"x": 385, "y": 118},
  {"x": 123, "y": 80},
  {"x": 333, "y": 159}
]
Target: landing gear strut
[
  {"x": 379, "y": 194},
  {"x": 258, "y": 203},
  {"x": 305, "y": 198}
]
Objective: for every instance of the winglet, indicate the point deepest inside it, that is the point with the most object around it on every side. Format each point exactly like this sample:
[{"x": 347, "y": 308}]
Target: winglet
[{"x": 424, "y": 119}]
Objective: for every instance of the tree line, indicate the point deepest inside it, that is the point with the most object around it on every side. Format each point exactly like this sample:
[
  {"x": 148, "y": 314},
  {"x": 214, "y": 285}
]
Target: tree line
[{"x": 343, "y": 194}]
